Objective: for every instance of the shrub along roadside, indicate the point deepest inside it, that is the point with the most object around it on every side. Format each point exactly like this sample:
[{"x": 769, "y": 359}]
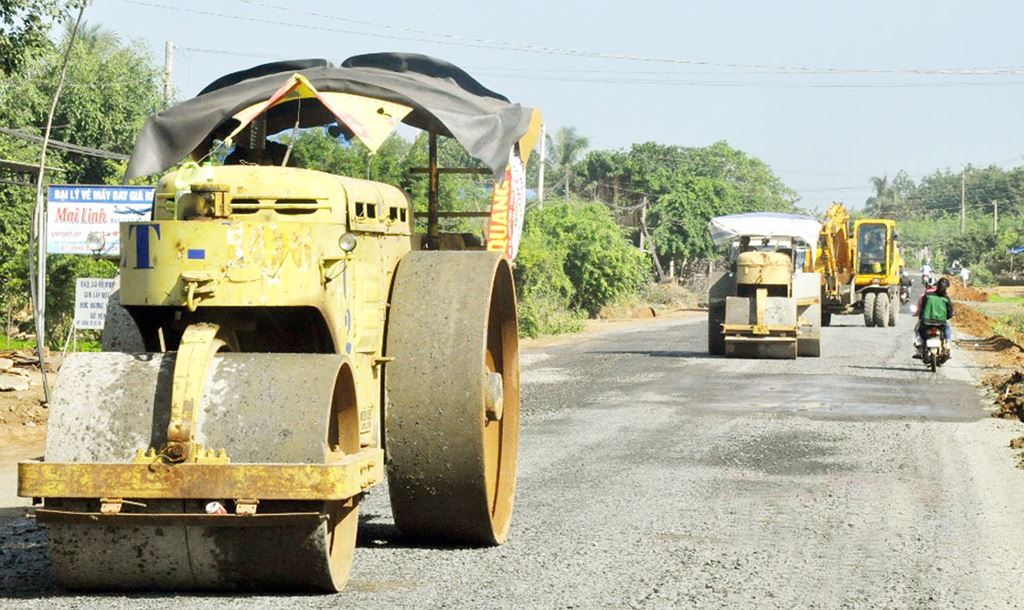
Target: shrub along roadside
[{"x": 573, "y": 260}]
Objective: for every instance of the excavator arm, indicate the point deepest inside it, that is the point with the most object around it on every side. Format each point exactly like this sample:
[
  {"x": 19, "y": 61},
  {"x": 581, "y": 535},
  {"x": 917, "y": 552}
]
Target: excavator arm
[{"x": 836, "y": 258}]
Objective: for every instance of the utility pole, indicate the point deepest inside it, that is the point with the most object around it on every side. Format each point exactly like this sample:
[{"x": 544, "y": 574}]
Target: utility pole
[
  {"x": 995, "y": 215},
  {"x": 963, "y": 197},
  {"x": 543, "y": 162},
  {"x": 650, "y": 241},
  {"x": 168, "y": 72},
  {"x": 643, "y": 224},
  {"x": 37, "y": 281}
]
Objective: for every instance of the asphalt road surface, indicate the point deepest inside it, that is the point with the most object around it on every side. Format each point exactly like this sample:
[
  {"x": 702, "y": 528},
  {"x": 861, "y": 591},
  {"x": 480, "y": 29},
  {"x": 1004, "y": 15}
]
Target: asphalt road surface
[{"x": 653, "y": 475}]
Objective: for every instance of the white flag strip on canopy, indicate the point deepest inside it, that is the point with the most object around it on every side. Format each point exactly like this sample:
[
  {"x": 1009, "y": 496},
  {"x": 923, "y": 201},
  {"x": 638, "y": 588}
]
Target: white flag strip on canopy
[{"x": 724, "y": 229}]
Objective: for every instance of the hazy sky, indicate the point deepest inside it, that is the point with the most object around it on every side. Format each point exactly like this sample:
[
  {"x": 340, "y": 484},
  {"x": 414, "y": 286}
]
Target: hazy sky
[{"x": 827, "y": 93}]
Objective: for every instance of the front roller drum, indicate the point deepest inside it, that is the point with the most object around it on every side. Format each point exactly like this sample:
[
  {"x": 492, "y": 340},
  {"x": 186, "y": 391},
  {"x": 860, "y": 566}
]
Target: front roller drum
[
  {"x": 452, "y": 417},
  {"x": 765, "y": 349},
  {"x": 260, "y": 408}
]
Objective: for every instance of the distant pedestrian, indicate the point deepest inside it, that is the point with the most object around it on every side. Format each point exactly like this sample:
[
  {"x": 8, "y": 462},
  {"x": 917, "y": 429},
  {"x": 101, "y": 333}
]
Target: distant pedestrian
[{"x": 965, "y": 273}]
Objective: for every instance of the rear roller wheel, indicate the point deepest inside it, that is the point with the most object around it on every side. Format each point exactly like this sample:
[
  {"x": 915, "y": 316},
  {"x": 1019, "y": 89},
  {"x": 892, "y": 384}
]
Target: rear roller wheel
[
  {"x": 315, "y": 421},
  {"x": 120, "y": 333},
  {"x": 881, "y": 314},
  {"x": 452, "y": 417},
  {"x": 869, "y": 309},
  {"x": 894, "y": 308},
  {"x": 763, "y": 350},
  {"x": 809, "y": 347},
  {"x": 716, "y": 338}
]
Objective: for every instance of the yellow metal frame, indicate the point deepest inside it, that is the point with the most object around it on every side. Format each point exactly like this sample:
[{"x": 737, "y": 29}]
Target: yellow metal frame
[
  {"x": 198, "y": 345},
  {"x": 757, "y": 329},
  {"x": 339, "y": 480}
]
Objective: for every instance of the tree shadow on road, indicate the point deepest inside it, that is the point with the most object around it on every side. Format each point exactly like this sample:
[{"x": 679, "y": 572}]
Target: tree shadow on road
[
  {"x": 657, "y": 353},
  {"x": 916, "y": 369}
]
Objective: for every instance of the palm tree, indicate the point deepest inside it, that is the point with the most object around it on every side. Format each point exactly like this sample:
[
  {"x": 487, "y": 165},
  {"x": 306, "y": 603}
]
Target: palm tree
[
  {"x": 93, "y": 35},
  {"x": 883, "y": 192},
  {"x": 565, "y": 149}
]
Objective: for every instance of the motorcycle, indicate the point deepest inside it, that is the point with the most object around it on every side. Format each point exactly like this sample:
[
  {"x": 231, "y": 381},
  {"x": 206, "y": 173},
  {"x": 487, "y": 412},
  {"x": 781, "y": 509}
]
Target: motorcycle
[
  {"x": 926, "y": 280},
  {"x": 934, "y": 349},
  {"x": 904, "y": 294}
]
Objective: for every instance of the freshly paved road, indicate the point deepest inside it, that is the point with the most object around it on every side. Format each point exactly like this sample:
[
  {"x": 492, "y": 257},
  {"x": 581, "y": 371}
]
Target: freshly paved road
[{"x": 653, "y": 475}]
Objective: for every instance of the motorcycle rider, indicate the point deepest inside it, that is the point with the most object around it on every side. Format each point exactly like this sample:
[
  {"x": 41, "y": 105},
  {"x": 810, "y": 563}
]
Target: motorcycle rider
[
  {"x": 926, "y": 272},
  {"x": 934, "y": 306},
  {"x": 905, "y": 284}
]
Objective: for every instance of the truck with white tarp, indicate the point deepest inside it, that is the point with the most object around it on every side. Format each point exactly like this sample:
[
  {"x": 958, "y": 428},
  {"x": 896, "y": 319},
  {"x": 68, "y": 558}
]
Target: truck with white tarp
[{"x": 767, "y": 304}]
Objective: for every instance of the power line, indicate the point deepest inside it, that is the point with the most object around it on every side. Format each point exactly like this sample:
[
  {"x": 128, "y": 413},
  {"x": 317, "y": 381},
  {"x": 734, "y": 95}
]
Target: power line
[
  {"x": 74, "y": 148},
  {"x": 515, "y": 74},
  {"x": 225, "y": 52},
  {"x": 476, "y": 42},
  {"x": 755, "y": 84}
]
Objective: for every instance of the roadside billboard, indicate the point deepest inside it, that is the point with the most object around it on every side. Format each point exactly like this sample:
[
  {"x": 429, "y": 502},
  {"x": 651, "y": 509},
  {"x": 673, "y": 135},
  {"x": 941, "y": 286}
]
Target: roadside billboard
[{"x": 74, "y": 211}]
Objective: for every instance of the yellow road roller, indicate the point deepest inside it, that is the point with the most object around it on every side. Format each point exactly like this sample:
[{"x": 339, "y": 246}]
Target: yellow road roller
[
  {"x": 767, "y": 305},
  {"x": 286, "y": 340}
]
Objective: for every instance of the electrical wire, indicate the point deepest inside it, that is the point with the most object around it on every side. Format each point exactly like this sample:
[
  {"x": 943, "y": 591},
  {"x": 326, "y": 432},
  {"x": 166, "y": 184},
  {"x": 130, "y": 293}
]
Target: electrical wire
[
  {"x": 225, "y": 52},
  {"x": 434, "y": 37},
  {"x": 517, "y": 75}
]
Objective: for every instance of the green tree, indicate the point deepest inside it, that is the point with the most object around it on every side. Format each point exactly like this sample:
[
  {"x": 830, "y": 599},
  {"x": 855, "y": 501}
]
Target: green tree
[
  {"x": 599, "y": 261},
  {"x": 111, "y": 88},
  {"x": 544, "y": 290},
  {"x": 24, "y": 29},
  {"x": 684, "y": 188}
]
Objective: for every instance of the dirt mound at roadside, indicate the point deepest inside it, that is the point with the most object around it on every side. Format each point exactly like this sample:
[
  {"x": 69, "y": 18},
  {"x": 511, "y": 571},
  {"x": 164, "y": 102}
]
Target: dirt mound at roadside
[
  {"x": 1009, "y": 395},
  {"x": 639, "y": 312},
  {"x": 21, "y": 390},
  {"x": 972, "y": 321},
  {"x": 991, "y": 348},
  {"x": 970, "y": 293}
]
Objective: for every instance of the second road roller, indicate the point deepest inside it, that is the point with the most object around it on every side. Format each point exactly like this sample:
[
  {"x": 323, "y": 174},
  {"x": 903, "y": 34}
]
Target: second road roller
[{"x": 284, "y": 339}]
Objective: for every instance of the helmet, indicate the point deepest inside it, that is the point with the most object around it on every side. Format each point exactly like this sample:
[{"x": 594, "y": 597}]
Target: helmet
[{"x": 932, "y": 281}]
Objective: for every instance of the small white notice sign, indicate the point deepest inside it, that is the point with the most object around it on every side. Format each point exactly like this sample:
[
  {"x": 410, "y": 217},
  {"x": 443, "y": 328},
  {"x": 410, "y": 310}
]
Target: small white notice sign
[{"x": 91, "y": 295}]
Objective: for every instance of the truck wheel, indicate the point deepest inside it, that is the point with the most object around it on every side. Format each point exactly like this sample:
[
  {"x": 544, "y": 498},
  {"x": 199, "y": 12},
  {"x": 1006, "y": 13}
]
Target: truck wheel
[
  {"x": 894, "y": 308},
  {"x": 869, "y": 309},
  {"x": 881, "y": 310},
  {"x": 826, "y": 318},
  {"x": 716, "y": 338}
]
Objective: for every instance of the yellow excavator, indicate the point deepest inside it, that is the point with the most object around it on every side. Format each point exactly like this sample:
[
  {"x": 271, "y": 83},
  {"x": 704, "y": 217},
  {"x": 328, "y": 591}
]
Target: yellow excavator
[{"x": 860, "y": 264}]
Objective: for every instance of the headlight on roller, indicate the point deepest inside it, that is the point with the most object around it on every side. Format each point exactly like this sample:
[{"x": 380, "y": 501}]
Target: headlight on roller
[{"x": 347, "y": 242}]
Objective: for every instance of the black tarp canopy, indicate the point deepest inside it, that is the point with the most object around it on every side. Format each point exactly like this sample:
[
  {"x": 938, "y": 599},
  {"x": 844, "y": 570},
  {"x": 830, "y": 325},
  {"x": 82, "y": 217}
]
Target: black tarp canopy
[{"x": 444, "y": 99}]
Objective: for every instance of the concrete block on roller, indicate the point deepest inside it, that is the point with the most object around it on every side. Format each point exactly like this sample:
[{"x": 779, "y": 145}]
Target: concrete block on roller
[
  {"x": 806, "y": 285},
  {"x": 780, "y": 311},
  {"x": 740, "y": 310}
]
